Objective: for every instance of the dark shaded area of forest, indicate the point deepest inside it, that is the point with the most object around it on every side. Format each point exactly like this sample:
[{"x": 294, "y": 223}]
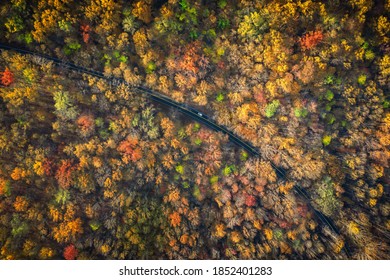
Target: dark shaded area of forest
[{"x": 94, "y": 170}]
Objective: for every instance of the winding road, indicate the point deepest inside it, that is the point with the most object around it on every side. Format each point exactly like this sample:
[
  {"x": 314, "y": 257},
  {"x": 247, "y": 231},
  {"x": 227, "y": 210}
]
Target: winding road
[
  {"x": 155, "y": 96},
  {"x": 187, "y": 110}
]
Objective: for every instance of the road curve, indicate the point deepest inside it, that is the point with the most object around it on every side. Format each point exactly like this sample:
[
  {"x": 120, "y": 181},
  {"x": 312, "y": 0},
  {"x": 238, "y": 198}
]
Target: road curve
[
  {"x": 189, "y": 111},
  {"x": 154, "y": 95}
]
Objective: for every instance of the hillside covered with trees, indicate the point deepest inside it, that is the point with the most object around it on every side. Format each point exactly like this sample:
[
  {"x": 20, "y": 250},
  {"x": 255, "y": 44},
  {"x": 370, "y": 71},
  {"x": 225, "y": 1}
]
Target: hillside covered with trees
[{"x": 92, "y": 169}]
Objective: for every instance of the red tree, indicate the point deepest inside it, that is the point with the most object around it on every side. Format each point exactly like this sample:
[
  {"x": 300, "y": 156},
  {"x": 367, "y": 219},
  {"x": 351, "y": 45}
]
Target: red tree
[
  {"x": 70, "y": 252},
  {"x": 130, "y": 150},
  {"x": 85, "y": 29},
  {"x": 64, "y": 174},
  {"x": 7, "y": 77},
  {"x": 250, "y": 200},
  {"x": 311, "y": 39},
  {"x": 49, "y": 167},
  {"x": 190, "y": 59},
  {"x": 86, "y": 124}
]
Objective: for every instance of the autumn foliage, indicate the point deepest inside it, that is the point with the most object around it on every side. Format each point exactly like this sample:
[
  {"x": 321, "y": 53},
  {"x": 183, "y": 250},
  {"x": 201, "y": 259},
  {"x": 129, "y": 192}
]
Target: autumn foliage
[
  {"x": 64, "y": 174},
  {"x": 130, "y": 149},
  {"x": 85, "y": 32},
  {"x": 7, "y": 77},
  {"x": 93, "y": 166},
  {"x": 86, "y": 124},
  {"x": 142, "y": 10},
  {"x": 49, "y": 167},
  {"x": 190, "y": 59},
  {"x": 311, "y": 39},
  {"x": 70, "y": 252},
  {"x": 175, "y": 219},
  {"x": 250, "y": 200}
]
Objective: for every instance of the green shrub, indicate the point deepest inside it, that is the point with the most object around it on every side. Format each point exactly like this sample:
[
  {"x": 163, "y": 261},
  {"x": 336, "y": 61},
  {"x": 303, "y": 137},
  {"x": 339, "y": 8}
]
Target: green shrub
[
  {"x": 326, "y": 140},
  {"x": 244, "y": 156},
  {"x": 220, "y": 97},
  {"x": 278, "y": 234},
  {"x": 196, "y": 127},
  {"x": 103, "y": 133},
  {"x": 150, "y": 67},
  {"x": 28, "y": 38},
  {"x": 222, "y": 4},
  {"x": 223, "y": 23},
  {"x": 71, "y": 48},
  {"x": 198, "y": 141},
  {"x": 210, "y": 34},
  {"x": 228, "y": 170},
  {"x": 330, "y": 118},
  {"x": 271, "y": 108},
  {"x": 62, "y": 196},
  {"x": 64, "y": 25},
  {"x": 64, "y": 105},
  {"x": 180, "y": 169},
  {"x": 214, "y": 179},
  {"x": 184, "y": 5},
  {"x": 194, "y": 35},
  {"x": 330, "y": 79},
  {"x": 362, "y": 79},
  {"x": 99, "y": 122},
  {"x": 329, "y": 95},
  {"x": 300, "y": 112},
  {"x": 253, "y": 26},
  {"x": 94, "y": 225}
]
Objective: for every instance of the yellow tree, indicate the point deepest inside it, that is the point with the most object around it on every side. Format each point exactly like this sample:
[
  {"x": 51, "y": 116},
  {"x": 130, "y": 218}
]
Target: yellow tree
[{"x": 143, "y": 10}]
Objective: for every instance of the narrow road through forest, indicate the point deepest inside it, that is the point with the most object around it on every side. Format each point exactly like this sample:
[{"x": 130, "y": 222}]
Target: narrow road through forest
[
  {"x": 187, "y": 110},
  {"x": 155, "y": 96}
]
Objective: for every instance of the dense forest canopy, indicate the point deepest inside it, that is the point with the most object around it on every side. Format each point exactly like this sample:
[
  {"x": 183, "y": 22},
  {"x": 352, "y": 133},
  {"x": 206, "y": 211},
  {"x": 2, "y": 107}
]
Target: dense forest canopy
[{"x": 95, "y": 170}]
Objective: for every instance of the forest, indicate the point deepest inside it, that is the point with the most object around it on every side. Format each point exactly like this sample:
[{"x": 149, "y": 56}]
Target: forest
[{"x": 94, "y": 169}]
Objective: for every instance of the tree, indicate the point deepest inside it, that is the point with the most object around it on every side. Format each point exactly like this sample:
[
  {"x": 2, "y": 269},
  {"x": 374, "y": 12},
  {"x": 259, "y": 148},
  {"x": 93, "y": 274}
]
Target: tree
[
  {"x": 7, "y": 77},
  {"x": 311, "y": 40},
  {"x": 68, "y": 230},
  {"x": 5, "y": 187},
  {"x": 130, "y": 149},
  {"x": 141, "y": 41},
  {"x": 129, "y": 24},
  {"x": 86, "y": 124},
  {"x": 70, "y": 252},
  {"x": 64, "y": 174},
  {"x": 64, "y": 105},
  {"x": 142, "y": 10},
  {"x": 175, "y": 219},
  {"x": 14, "y": 24},
  {"x": 20, "y": 204},
  {"x": 252, "y": 26},
  {"x": 85, "y": 31},
  {"x": 219, "y": 231},
  {"x": 46, "y": 253},
  {"x": 45, "y": 22}
]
